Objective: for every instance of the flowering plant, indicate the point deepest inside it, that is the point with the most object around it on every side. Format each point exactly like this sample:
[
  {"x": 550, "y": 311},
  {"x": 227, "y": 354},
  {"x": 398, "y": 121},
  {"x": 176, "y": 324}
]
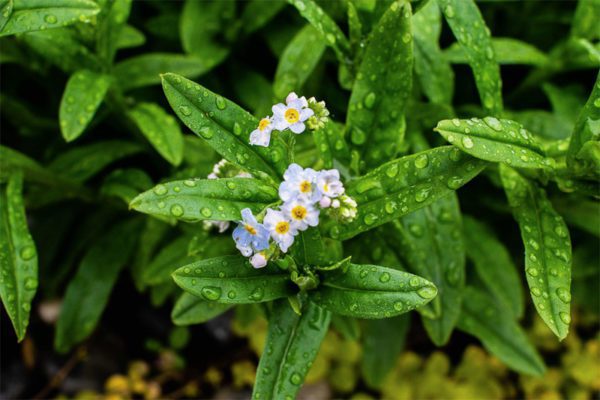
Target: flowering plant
[{"x": 343, "y": 211}]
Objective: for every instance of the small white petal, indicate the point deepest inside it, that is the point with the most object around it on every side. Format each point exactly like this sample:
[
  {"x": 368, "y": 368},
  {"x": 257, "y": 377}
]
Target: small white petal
[
  {"x": 298, "y": 127},
  {"x": 291, "y": 97},
  {"x": 306, "y": 113}
]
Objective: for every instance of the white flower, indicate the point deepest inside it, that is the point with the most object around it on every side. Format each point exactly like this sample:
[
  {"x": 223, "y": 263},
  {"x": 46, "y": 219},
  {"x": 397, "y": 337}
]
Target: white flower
[
  {"x": 280, "y": 229},
  {"x": 301, "y": 214},
  {"x": 258, "y": 260},
  {"x": 222, "y": 226},
  {"x": 292, "y": 114},
  {"x": 250, "y": 236},
  {"x": 329, "y": 184},
  {"x": 299, "y": 183},
  {"x": 261, "y": 136},
  {"x": 335, "y": 204},
  {"x": 325, "y": 202}
]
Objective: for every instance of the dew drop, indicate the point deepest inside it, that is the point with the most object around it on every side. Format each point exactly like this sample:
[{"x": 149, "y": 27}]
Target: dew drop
[
  {"x": 467, "y": 142},
  {"x": 160, "y": 190},
  {"x": 370, "y": 100},
  {"x": 211, "y": 292},
  {"x": 449, "y": 11},
  {"x": 185, "y": 110},
  {"x": 536, "y": 292},
  {"x": 237, "y": 129},
  {"x": 51, "y": 19},
  {"x": 533, "y": 272},
  {"x": 27, "y": 253},
  {"x": 205, "y": 211},
  {"x": 493, "y": 123},
  {"x": 189, "y": 183},
  {"x": 421, "y": 161},
  {"x": 31, "y": 283},
  {"x": 384, "y": 277},
  {"x": 207, "y": 132},
  {"x": 296, "y": 379},
  {"x": 231, "y": 294},
  {"x": 370, "y": 219},
  {"x": 176, "y": 210},
  {"x": 257, "y": 294},
  {"x": 220, "y": 102},
  {"x": 564, "y": 295},
  {"x": 414, "y": 281},
  {"x": 392, "y": 170},
  {"x": 398, "y": 306},
  {"x": 565, "y": 317},
  {"x": 427, "y": 292}
]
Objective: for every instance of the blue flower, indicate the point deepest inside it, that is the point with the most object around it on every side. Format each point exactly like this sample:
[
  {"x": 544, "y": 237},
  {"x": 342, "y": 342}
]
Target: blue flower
[{"x": 250, "y": 236}]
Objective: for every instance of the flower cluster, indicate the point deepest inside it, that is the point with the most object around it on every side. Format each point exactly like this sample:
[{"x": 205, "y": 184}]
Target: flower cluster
[
  {"x": 296, "y": 114},
  {"x": 304, "y": 193}
]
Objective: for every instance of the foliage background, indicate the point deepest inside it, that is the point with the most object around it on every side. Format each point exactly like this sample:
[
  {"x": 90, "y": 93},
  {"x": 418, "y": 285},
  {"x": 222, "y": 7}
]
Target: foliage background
[{"x": 77, "y": 192}]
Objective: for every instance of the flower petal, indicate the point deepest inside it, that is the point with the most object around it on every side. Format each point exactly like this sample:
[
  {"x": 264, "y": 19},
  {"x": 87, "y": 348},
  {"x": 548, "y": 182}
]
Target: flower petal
[{"x": 297, "y": 128}]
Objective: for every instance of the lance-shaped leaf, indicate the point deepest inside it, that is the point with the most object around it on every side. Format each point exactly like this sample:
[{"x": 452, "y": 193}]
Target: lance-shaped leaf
[
  {"x": 168, "y": 259},
  {"x": 145, "y": 69},
  {"x": 431, "y": 243},
  {"x": 547, "y": 249},
  {"x": 486, "y": 319},
  {"x": 126, "y": 183},
  {"x": 224, "y": 125},
  {"x": 89, "y": 290},
  {"x": 383, "y": 341},
  {"x": 580, "y": 212},
  {"x": 111, "y": 22},
  {"x": 62, "y": 48},
  {"x": 298, "y": 60},
  {"x": 190, "y": 310},
  {"x": 83, "y": 94},
  {"x": 37, "y": 15},
  {"x": 493, "y": 265},
  {"x": 213, "y": 199},
  {"x": 6, "y": 9},
  {"x": 161, "y": 130},
  {"x": 322, "y": 22},
  {"x": 434, "y": 73},
  {"x": 81, "y": 163},
  {"x": 506, "y": 50},
  {"x": 14, "y": 161},
  {"x": 331, "y": 144},
  {"x": 405, "y": 185},
  {"x": 129, "y": 37},
  {"x": 232, "y": 280},
  {"x": 372, "y": 291},
  {"x": 586, "y": 137},
  {"x": 200, "y": 25},
  {"x": 258, "y": 13},
  {"x": 292, "y": 344},
  {"x": 470, "y": 30},
  {"x": 497, "y": 140},
  {"x": 18, "y": 256},
  {"x": 308, "y": 247},
  {"x": 585, "y": 20},
  {"x": 383, "y": 83}
]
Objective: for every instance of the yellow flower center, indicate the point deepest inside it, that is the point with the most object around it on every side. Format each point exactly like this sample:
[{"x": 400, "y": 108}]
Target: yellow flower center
[
  {"x": 282, "y": 227},
  {"x": 299, "y": 212},
  {"x": 262, "y": 125},
  {"x": 305, "y": 187},
  {"x": 292, "y": 115},
  {"x": 325, "y": 187},
  {"x": 250, "y": 229}
]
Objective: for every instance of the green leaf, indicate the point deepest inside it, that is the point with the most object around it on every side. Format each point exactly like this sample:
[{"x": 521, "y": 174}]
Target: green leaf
[
  {"x": 547, "y": 249},
  {"x": 125, "y": 183},
  {"x": 494, "y": 265},
  {"x": 585, "y": 20},
  {"x": 487, "y": 320},
  {"x": 258, "y": 13},
  {"x": 430, "y": 241},
  {"x": 434, "y": 73},
  {"x": 150, "y": 236},
  {"x": 224, "y": 125},
  {"x": 298, "y": 60},
  {"x": 383, "y": 341},
  {"x": 331, "y": 144},
  {"x": 145, "y": 69},
  {"x": 89, "y": 290},
  {"x": 199, "y": 199},
  {"x": 347, "y": 326},
  {"x": 161, "y": 130},
  {"x": 308, "y": 247},
  {"x": 371, "y": 291},
  {"x": 322, "y": 22},
  {"x": 587, "y": 129},
  {"x": 129, "y": 37},
  {"x": 6, "y": 9},
  {"x": 383, "y": 84},
  {"x": 404, "y": 185},
  {"x": 18, "y": 255},
  {"x": 470, "y": 30},
  {"x": 14, "y": 161},
  {"x": 83, "y": 95},
  {"x": 168, "y": 259},
  {"x": 232, "y": 280},
  {"x": 580, "y": 212},
  {"x": 496, "y": 140},
  {"x": 37, "y": 15},
  {"x": 293, "y": 342},
  {"x": 62, "y": 48},
  {"x": 81, "y": 163},
  {"x": 111, "y": 22},
  {"x": 254, "y": 91},
  {"x": 200, "y": 25},
  {"x": 507, "y": 51},
  {"x": 190, "y": 310}
]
